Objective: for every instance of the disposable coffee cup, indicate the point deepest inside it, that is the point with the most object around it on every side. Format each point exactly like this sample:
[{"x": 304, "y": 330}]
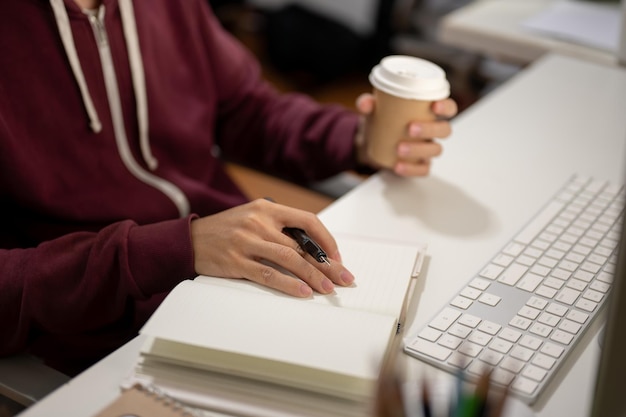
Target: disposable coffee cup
[{"x": 404, "y": 88}]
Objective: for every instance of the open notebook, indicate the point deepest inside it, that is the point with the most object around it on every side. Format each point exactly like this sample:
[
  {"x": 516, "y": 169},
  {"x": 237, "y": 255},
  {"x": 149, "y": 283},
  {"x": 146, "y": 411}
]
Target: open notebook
[{"x": 230, "y": 344}]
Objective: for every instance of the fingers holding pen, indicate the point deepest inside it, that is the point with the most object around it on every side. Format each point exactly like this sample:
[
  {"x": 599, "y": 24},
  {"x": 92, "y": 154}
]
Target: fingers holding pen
[{"x": 248, "y": 242}]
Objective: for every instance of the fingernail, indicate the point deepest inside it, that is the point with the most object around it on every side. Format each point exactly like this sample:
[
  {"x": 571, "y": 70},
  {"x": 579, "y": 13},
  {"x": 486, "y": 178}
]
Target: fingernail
[
  {"x": 305, "y": 290},
  {"x": 403, "y": 149},
  {"x": 346, "y": 277},
  {"x": 415, "y": 130},
  {"x": 401, "y": 169},
  {"x": 327, "y": 285}
]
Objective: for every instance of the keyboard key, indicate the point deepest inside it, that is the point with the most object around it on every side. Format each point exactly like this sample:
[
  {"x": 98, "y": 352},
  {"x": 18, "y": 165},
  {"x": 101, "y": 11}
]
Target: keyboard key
[
  {"x": 593, "y": 295},
  {"x": 501, "y": 345},
  {"x": 520, "y": 322},
  {"x": 537, "y": 302},
  {"x": 583, "y": 275},
  {"x": 503, "y": 259},
  {"x": 548, "y": 319},
  {"x": 556, "y": 309},
  {"x": 445, "y": 319},
  {"x": 479, "y": 284},
  {"x": 510, "y": 335},
  {"x": 529, "y": 312},
  {"x": 491, "y": 357},
  {"x": 529, "y": 282},
  {"x": 450, "y": 341},
  {"x": 477, "y": 368},
  {"x": 525, "y": 260},
  {"x": 430, "y": 334},
  {"x": 561, "y": 274},
  {"x": 514, "y": 248},
  {"x": 562, "y": 337},
  {"x": 502, "y": 377},
  {"x": 600, "y": 286},
  {"x": 591, "y": 267},
  {"x": 489, "y": 327},
  {"x": 576, "y": 284},
  {"x": 570, "y": 326},
  {"x": 489, "y": 299},
  {"x": 567, "y": 296},
  {"x": 521, "y": 353},
  {"x": 533, "y": 253},
  {"x": 460, "y": 361},
  {"x": 460, "y": 331},
  {"x": 461, "y": 302},
  {"x": 535, "y": 373},
  {"x": 543, "y": 361},
  {"x": 541, "y": 329},
  {"x": 470, "y": 349},
  {"x": 479, "y": 338},
  {"x": 555, "y": 254},
  {"x": 578, "y": 316},
  {"x": 512, "y": 274},
  {"x": 471, "y": 293},
  {"x": 540, "y": 270},
  {"x": 598, "y": 259},
  {"x": 568, "y": 265},
  {"x": 547, "y": 262},
  {"x": 524, "y": 385},
  {"x": 430, "y": 349},
  {"x": 553, "y": 282},
  {"x": 491, "y": 271},
  {"x": 587, "y": 305},
  {"x": 469, "y": 320},
  {"x": 530, "y": 342},
  {"x": 545, "y": 291},
  {"x": 552, "y": 350},
  {"x": 512, "y": 364},
  {"x": 605, "y": 277}
]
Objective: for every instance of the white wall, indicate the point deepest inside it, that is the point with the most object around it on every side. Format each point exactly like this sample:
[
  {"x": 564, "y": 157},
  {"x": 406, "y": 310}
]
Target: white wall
[{"x": 621, "y": 52}]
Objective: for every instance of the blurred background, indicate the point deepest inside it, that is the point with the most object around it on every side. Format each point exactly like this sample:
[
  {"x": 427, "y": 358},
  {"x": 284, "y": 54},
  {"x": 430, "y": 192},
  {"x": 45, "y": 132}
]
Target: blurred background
[{"x": 326, "y": 48}]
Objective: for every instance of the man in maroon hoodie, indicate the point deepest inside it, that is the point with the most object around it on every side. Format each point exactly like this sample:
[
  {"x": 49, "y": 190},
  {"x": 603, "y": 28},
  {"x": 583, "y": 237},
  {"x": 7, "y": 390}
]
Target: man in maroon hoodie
[{"x": 115, "y": 117}]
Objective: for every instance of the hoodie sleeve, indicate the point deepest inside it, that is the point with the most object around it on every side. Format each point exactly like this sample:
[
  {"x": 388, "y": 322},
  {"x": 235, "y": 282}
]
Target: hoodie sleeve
[
  {"x": 286, "y": 134},
  {"x": 97, "y": 274}
]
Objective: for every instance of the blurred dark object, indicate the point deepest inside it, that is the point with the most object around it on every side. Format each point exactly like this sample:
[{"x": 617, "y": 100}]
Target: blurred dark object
[
  {"x": 218, "y": 4},
  {"x": 302, "y": 40}
]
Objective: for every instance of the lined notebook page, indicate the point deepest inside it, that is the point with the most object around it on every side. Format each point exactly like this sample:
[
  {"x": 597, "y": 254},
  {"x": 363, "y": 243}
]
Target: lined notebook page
[{"x": 382, "y": 270}]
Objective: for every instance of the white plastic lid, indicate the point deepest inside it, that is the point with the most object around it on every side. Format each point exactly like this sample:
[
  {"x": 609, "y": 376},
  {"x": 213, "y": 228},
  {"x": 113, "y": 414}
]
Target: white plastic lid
[{"x": 410, "y": 77}]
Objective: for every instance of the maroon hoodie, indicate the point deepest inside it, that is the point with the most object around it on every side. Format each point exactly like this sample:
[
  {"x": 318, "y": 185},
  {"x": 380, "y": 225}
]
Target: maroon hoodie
[{"x": 112, "y": 130}]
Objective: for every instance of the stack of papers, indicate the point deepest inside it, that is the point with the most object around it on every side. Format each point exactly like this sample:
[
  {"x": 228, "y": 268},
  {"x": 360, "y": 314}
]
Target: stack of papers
[{"x": 591, "y": 24}]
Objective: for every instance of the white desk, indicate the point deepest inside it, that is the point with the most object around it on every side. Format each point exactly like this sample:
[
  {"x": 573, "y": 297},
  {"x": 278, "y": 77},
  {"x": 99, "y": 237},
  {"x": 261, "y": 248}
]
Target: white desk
[
  {"x": 508, "y": 154},
  {"x": 493, "y": 28}
]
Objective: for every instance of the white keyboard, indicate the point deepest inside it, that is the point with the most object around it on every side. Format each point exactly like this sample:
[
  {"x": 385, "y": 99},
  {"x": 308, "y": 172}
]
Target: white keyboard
[{"x": 527, "y": 308}]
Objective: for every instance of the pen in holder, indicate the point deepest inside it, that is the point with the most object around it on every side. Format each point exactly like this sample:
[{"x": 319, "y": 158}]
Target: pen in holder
[{"x": 469, "y": 398}]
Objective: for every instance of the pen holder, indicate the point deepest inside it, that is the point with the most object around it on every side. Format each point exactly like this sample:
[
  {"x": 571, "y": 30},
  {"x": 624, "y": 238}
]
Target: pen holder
[{"x": 470, "y": 397}]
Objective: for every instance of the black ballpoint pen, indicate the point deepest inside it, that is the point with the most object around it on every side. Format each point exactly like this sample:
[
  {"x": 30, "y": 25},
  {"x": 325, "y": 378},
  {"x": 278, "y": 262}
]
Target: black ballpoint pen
[{"x": 307, "y": 244}]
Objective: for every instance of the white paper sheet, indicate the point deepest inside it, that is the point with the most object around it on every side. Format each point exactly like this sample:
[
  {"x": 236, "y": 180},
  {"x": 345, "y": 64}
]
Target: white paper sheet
[{"x": 591, "y": 24}]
